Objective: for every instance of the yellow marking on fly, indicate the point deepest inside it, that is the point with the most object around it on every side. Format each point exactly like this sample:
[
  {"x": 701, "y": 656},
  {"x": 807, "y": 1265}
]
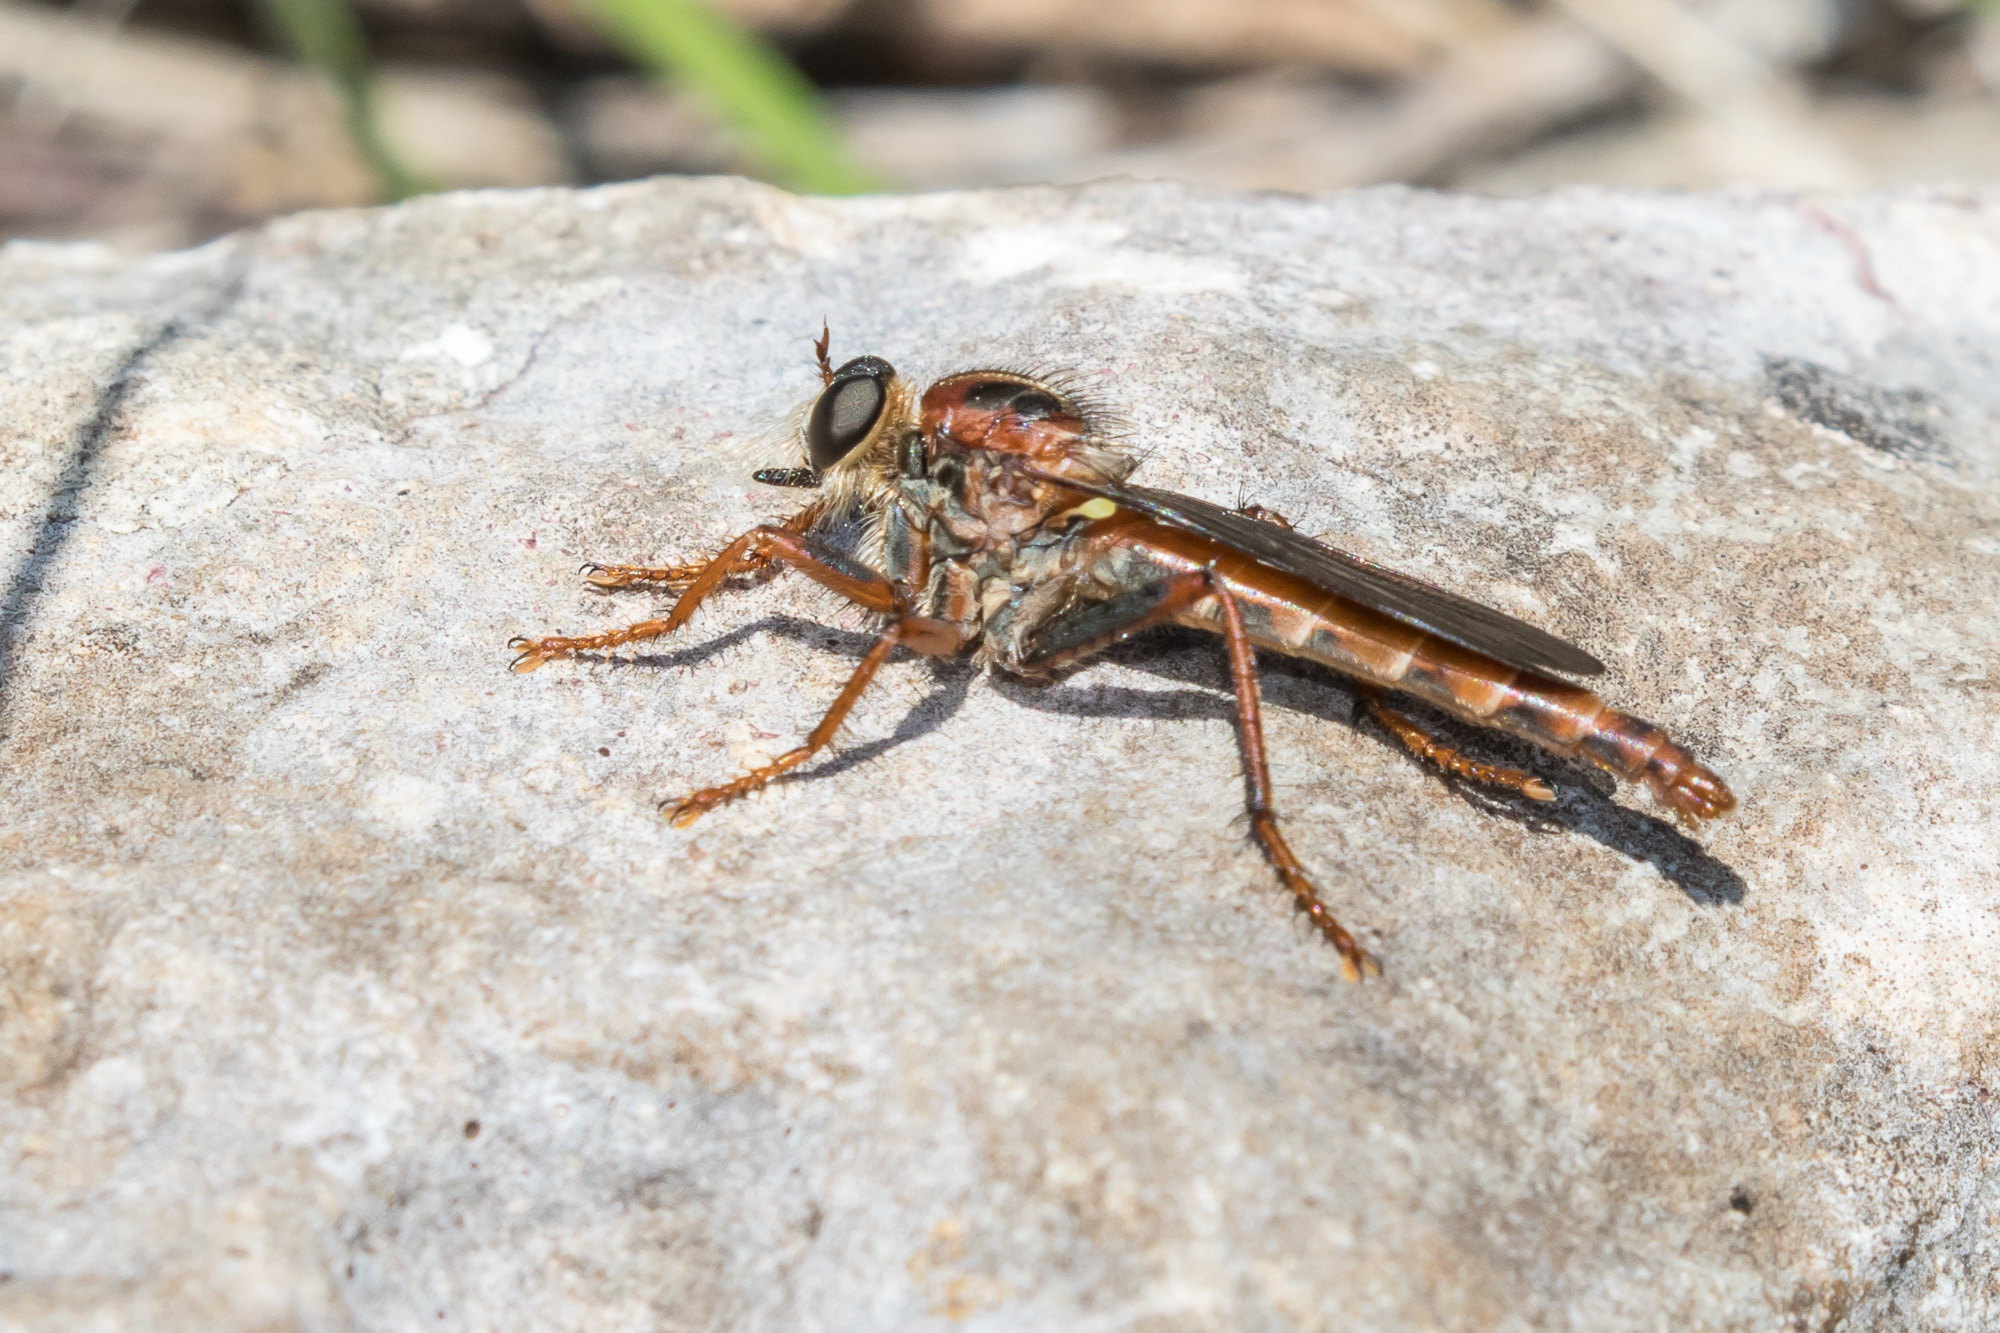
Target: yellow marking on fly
[{"x": 1094, "y": 508}]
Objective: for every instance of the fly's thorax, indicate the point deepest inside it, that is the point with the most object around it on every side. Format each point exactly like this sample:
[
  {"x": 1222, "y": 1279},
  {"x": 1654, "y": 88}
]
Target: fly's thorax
[
  {"x": 967, "y": 507},
  {"x": 1011, "y": 612},
  {"x": 1012, "y": 507},
  {"x": 1001, "y": 410},
  {"x": 931, "y": 506},
  {"x": 1042, "y": 578},
  {"x": 1031, "y": 420}
]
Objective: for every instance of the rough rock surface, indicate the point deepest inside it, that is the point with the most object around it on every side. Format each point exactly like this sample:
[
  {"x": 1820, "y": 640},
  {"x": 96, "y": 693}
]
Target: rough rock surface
[{"x": 348, "y": 981}]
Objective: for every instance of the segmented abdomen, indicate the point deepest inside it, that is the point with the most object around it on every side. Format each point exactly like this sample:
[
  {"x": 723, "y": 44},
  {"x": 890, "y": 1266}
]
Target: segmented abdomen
[{"x": 1290, "y": 616}]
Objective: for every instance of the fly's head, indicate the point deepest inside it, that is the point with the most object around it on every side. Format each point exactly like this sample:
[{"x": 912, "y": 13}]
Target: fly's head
[
  {"x": 852, "y": 436},
  {"x": 979, "y": 426},
  {"x": 868, "y": 440}
]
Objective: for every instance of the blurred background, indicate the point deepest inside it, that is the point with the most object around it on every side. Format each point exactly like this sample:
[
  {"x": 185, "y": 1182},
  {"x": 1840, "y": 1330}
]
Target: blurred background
[{"x": 159, "y": 123}]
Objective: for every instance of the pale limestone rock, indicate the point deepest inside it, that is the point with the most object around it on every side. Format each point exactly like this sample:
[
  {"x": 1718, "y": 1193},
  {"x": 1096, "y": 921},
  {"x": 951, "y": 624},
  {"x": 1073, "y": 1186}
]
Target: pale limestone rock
[{"x": 348, "y": 981}]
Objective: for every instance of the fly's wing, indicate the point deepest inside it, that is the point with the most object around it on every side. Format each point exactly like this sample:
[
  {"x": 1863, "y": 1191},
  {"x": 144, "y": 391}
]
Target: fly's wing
[{"x": 1417, "y": 604}]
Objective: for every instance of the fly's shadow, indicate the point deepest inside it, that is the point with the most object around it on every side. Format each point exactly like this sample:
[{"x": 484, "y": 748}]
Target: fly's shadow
[
  {"x": 951, "y": 681},
  {"x": 1191, "y": 658},
  {"x": 1583, "y": 804}
]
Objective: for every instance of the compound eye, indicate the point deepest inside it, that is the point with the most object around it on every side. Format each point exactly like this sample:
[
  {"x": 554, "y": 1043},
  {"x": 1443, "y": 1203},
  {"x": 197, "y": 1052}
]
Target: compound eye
[{"x": 848, "y": 410}]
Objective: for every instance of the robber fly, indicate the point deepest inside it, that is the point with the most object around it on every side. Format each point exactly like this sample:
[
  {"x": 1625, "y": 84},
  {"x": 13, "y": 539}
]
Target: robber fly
[{"x": 996, "y": 517}]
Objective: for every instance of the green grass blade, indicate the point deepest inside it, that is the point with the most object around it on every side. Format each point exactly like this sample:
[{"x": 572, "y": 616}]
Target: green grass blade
[
  {"x": 748, "y": 84},
  {"x": 325, "y": 34}
]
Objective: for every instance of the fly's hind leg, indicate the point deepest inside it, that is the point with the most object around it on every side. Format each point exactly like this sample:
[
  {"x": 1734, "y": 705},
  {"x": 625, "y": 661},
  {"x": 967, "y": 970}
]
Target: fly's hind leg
[
  {"x": 1355, "y": 962},
  {"x": 1426, "y": 746},
  {"x": 1080, "y": 633},
  {"x": 933, "y": 637}
]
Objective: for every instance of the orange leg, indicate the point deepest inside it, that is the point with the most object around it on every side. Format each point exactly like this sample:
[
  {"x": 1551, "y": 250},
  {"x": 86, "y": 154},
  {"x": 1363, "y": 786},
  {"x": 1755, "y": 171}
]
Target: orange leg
[
  {"x": 1426, "y": 746},
  {"x": 1264, "y": 515},
  {"x": 934, "y": 637},
  {"x": 1355, "y": 962},
  {"x": 824, "y": 564},
  {"x": 1079, "y": 634},
  {"x": 678, "y": 577}
]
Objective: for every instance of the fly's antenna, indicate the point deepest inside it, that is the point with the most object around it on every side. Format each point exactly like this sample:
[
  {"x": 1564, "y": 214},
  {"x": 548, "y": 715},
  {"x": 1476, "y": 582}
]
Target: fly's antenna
[{"x": 821, "y": 345}]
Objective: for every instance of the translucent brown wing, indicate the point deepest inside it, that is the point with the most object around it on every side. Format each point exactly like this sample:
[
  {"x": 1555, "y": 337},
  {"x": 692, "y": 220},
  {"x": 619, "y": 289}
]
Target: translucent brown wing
[{"x": 1416, "y": 603}]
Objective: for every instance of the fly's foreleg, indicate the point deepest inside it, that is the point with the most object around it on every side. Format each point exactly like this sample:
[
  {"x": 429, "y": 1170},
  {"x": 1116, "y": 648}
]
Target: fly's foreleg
[
  {"x": 819, "y": 561},
  {"x": 1427, "y": 746},
  {"x": 933, "y": 637},
  {"x": 676, "y": 578},
  {"x": 673, "y": 577}
]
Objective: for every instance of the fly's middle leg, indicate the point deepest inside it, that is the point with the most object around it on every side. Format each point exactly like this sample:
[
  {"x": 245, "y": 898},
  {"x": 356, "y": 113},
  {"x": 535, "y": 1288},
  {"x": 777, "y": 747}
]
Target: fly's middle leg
[
  {"x": 1424, "y": 745},
  {"x": 933, "y": 637}
]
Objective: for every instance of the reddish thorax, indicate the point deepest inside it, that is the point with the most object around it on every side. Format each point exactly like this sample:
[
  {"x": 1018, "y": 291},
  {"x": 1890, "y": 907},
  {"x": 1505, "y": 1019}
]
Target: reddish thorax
[{"x": 986, "y": 439}]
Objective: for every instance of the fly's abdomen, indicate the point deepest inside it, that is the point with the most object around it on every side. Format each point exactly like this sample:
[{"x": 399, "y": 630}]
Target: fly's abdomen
[
  {"x": 1572, "y": 721},
  {"x": 1563, "y": 718},
  {"x": 1287, "y": 615}
]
